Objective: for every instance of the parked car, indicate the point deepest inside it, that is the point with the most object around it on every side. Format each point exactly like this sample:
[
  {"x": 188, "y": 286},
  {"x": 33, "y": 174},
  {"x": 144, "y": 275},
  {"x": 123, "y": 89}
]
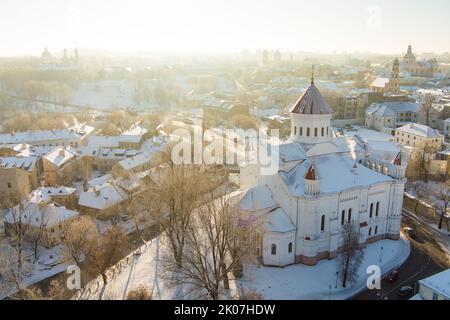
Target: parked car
[
  {"x": 405, "y": 291},
  {"x": 410, "y": 232},
  {"x": 393, "y": 276}
]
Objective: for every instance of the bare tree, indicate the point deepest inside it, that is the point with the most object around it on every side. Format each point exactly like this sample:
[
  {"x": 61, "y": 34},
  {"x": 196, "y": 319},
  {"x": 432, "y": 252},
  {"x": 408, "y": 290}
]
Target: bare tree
[
  {"x": 132, "y": 205},
  {"x": 216, "y": 244},
  {"x": 18, "y": 229},
  {"x": 64, "y": 95},
  {"x": 439, "y": 199},
  {"x": 419, "y": 161},
  {"x": 77, "y": 237},
  {"x": 426, "y": 106},
  {"x": 55, "y": 291},
  {"x": 106, "y": 251},
  {"x": 38, "y": 232},
  {"x": 10, "y": 274},
  {"x": 177, "y": 192},
  {"x": 351, "y": 256}
]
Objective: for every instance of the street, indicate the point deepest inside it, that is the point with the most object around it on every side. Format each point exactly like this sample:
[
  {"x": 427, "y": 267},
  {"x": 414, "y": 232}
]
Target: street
[{"x": 426, "y": 258}]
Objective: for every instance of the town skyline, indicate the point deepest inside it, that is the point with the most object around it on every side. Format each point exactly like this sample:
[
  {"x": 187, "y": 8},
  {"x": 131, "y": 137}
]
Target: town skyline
[{"x": 371, "y": 26}]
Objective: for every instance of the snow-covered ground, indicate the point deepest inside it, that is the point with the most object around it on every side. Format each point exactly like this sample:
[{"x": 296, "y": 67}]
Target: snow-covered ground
[
  {"x": 50, "y": 263},
  {"x": 145, "y": 267},
  {"x": 301, "y": 282}
]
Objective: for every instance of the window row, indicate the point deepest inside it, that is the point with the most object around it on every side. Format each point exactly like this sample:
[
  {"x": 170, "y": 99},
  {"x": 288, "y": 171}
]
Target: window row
[
  {"x": 308, "y": 132},
  {"x": 377, "y": 208},
  {"x": 273, "y": 248},
  {"x": 344, "y": 215}
]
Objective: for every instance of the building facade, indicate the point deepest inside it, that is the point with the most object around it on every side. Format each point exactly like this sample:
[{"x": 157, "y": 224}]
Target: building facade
[{"x": 323, "y": 185}]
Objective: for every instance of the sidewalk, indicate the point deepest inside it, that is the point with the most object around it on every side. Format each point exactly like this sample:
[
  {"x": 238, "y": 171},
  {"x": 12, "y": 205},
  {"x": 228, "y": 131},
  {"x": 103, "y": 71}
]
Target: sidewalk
[{"x": 301, "y": 282}]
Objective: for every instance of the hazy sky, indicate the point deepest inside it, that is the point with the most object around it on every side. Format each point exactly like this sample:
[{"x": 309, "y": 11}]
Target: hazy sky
[{"x": 26, "y": 26}]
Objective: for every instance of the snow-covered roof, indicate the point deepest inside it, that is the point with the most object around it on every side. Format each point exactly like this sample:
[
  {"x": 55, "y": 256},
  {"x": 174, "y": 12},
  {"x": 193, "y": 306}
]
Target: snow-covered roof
[
  {"x": 101, "y": 197},
  {"x": 135, "y": 130},
  {"x": 75, "y": 132},
  {"x": 392, "y": 108},
  {"x": 24, "y": 163},
  {"x": 440, "y": 282},
  {"x": 135, "y": 161},
  {"x": 380, "y": 82},
  {"x": 420, "y": 130},
  {"x": 257, "y": 198},
  {"x": 278, "y": 221},
  {"x": 57, "y": 191},
  {"x": 60, "y": 156},
  {"x": 36, "y": 215},
  {"x": 100, "y": 180},
  {"x": 336, "y": 175}
]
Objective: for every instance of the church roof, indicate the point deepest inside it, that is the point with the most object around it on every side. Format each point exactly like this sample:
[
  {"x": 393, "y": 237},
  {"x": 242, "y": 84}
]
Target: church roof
[
  {"x": 336, "y": 175},
  {"x": 257, "y": 198},
  {"x": 312, "y": 102}
]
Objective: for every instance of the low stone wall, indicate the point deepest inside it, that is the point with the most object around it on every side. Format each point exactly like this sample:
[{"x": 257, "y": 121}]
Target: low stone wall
[{"x": 96, "y": 285}]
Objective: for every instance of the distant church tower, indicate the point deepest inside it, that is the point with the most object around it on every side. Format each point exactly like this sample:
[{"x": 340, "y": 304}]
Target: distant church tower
[
  {"x": 394, "y": 82},
  {"x": 409, "y": 57}
]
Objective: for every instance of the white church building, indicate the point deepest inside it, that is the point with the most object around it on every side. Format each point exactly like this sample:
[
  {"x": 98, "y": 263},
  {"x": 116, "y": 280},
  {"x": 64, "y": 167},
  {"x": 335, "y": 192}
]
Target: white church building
[{"x": 323, "y": 183}]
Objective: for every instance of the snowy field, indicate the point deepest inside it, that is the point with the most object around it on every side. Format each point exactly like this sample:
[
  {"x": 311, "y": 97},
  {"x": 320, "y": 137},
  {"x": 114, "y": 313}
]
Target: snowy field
[
  {"x": 301, "y": 282},
  {"x": 298, "y": 282}
]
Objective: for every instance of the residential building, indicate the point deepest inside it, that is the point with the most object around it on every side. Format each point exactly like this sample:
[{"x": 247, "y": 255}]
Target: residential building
[
  {"x": 18, "y": 176},
  {"x": 73, "y": 136},
  {"x": 60, "y": 167},
  {"x": 390, "y": 115},
  {"x": 388, "y": 85},
  {"x": 129, "y": 166},
  {"x": 435, "y": 287},
  {"x": 415, "y": 135},
  {"x": 40, "y": 217}
]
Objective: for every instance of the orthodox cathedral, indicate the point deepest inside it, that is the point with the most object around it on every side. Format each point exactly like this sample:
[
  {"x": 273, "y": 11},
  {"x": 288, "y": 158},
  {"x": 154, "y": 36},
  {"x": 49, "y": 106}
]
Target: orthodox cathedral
[{"x": 323, "y": 183}]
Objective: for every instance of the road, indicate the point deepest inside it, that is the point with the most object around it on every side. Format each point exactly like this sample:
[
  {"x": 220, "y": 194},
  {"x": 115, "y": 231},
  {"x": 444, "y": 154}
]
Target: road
[{"x": 426, "y": 258}]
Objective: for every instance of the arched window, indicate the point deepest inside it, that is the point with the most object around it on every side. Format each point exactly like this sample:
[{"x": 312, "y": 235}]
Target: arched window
[
  {"x": 301, "y": 131},
  {"x": 343, "y": 217},
  {"x": 371, "y": 210},
  {"x": 370, "y": 232},
  {"x": 290, "y": 247},
  {"x": 349, "y": 215},
  {"x": 322, "y": 223},
  {"x": 376, "y": 209},
  {"x": 273, "y": 249},
  {"x": 315, "y": 132},
  {"x": 307, "y": 132},
  {"x": 295, "y": 130},
  {"x": 376, "y": 229},
  {"x": 323, "y": 131}
]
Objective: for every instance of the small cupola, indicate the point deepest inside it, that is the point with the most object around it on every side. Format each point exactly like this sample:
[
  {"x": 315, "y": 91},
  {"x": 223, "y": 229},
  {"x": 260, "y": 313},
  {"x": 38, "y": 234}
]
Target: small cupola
[{"x": 312, "y": 180}]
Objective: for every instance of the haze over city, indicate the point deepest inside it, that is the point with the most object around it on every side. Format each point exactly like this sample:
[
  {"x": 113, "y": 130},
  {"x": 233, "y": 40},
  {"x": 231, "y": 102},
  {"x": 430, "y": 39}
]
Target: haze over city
[
  {"x": 224, "y": 26},
  {"x": 225, "y": 150}
]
